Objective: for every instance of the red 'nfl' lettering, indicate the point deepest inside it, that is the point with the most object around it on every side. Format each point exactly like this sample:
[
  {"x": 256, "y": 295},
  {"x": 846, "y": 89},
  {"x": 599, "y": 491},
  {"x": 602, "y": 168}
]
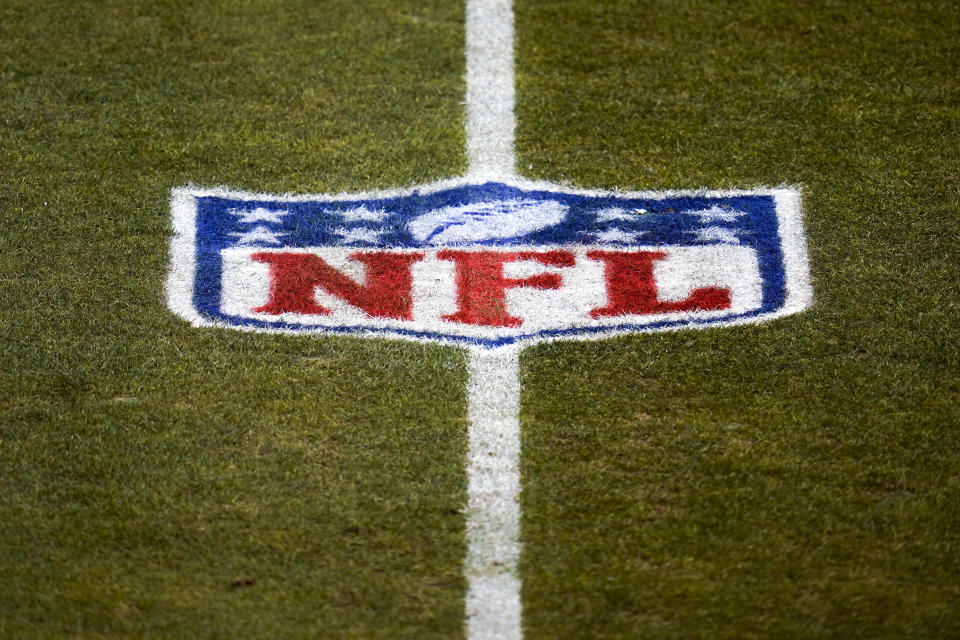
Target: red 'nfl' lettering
[{"x": 386, "y": 290}]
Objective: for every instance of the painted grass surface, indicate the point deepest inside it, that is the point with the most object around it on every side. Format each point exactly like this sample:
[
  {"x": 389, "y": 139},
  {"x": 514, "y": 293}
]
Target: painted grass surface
[{"x": 797, "y": 479}]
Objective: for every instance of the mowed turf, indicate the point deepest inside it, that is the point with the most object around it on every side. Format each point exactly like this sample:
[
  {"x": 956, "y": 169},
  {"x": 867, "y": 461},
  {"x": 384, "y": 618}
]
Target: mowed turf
[
  {"x": 794, "y": 479},
  {"x": 167, "y": 482},
  {"x": 799, "y": 479}
]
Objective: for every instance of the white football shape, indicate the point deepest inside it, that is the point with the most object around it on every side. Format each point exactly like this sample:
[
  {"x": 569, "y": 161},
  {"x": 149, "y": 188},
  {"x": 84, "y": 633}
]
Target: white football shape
[{"x": 466, "y": 223}]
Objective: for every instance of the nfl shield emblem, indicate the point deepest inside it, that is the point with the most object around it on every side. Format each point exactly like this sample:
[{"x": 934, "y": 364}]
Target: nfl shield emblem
[{"x": 486, "y": 264}]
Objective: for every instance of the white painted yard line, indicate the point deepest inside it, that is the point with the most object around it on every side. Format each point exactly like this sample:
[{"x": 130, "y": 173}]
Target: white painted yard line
[
  {"x": 493, "y": 388},
  {"x": 490, "y": 89},
  {"x": 493, "y": 489}
]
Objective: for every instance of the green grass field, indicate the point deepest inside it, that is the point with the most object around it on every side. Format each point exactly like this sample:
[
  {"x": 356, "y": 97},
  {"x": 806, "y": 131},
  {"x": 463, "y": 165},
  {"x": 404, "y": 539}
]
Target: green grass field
[{"x": 796, "y": 479}]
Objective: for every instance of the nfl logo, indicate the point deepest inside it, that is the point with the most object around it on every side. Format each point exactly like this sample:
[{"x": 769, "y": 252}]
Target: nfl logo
[{"x": 486, "y": 264}]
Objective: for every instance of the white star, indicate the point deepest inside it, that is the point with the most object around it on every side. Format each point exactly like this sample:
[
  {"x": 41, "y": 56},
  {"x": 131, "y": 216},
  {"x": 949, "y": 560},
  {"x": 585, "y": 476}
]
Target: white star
[
  {"x": 616, "y": 213},
  {"x": 358, "y": 234},
  {"x": 362, "y": 214},
  {"x": 719, "y": 234},
  {"x": 260, "y": 214},
  {"x": 258, "y": 235},
  {"x": 716, "y": 214},
  {"x": 618, "y": 236}
]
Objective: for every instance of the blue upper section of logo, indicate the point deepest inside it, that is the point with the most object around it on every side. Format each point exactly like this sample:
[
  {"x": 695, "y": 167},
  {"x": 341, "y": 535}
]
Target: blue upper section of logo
[{"x": 494, "y": 213}]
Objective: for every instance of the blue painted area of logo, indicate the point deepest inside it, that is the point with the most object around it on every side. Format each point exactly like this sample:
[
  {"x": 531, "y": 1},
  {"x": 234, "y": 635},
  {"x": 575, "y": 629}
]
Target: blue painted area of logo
[{"x": 493, "y": 215}]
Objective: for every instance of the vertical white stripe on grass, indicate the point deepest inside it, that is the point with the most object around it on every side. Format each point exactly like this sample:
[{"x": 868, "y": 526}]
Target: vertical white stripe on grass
[
  {"x": 493, "y": 390},
  {"x": 490, "y": 89},
  {"x": 493, "y": 488}
]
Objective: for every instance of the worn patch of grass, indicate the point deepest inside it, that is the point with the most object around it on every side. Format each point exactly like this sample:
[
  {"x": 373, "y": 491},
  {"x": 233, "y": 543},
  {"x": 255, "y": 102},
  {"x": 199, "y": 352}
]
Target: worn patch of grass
[{"x": 796, "y": 479}]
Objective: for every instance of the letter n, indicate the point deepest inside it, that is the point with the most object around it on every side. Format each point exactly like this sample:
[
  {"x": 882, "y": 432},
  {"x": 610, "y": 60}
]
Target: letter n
[{"x": 294, "y": 277}]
